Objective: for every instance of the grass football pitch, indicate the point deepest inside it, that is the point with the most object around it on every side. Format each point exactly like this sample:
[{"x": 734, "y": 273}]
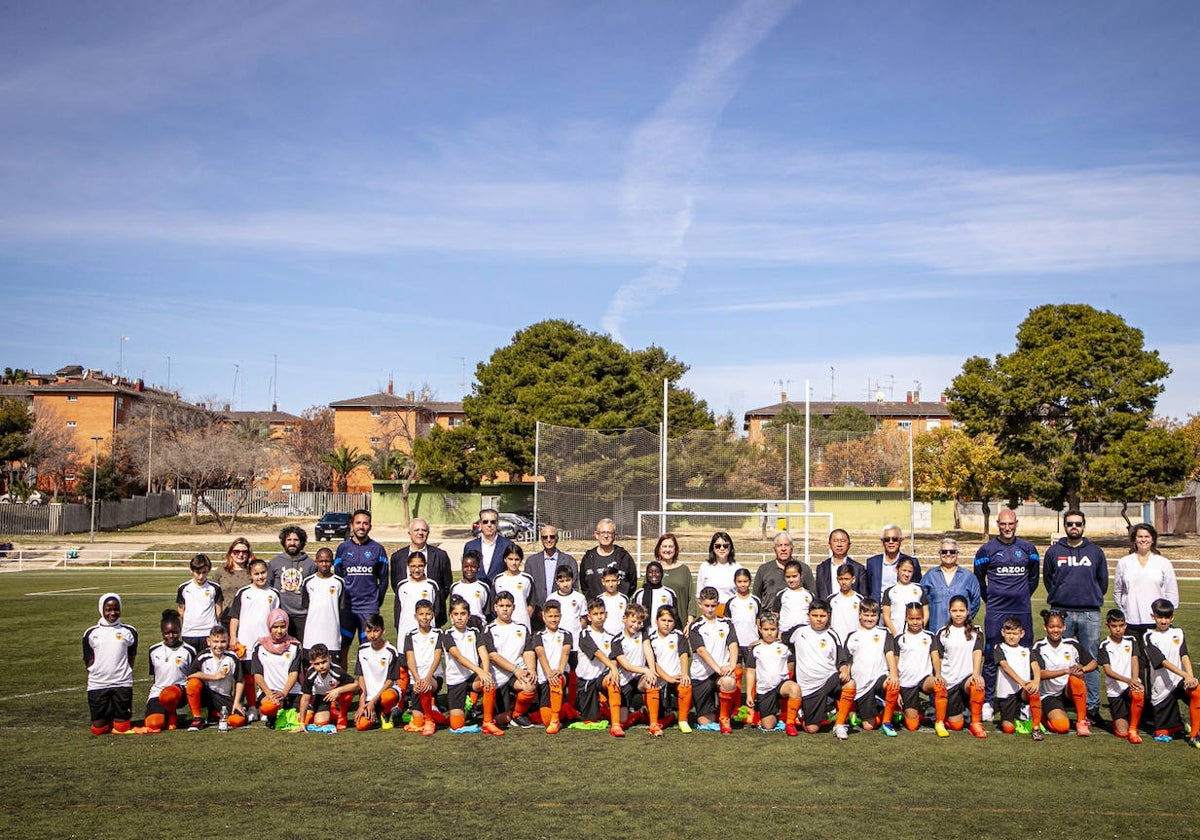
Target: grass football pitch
[{"x": 63, "y": 782}]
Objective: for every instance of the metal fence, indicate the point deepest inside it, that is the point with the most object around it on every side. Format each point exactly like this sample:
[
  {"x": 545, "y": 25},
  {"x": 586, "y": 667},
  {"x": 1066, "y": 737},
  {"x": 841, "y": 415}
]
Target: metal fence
[
  {"x": 312, "y": 503},
  {"x": 74, "y": 519}
]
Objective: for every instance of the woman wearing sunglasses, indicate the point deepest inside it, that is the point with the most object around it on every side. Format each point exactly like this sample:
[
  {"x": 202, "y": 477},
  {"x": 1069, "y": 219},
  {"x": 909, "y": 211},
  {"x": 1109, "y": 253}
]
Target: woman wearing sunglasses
[{"x": 946, "y": 581}]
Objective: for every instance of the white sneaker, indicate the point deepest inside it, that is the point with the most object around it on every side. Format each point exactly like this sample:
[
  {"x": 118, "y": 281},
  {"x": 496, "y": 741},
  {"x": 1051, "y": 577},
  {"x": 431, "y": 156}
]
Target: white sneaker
[
  {"x": 988, "y": 714},
  {"x": 841, "y": 732}
]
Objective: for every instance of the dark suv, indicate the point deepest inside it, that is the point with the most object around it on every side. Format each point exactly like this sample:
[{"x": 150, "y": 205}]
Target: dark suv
[{"x": 333, "y": 525}]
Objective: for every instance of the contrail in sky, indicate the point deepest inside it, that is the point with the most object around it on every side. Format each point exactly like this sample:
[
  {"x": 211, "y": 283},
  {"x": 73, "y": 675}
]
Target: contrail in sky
[{"x": 668, "y": 149}]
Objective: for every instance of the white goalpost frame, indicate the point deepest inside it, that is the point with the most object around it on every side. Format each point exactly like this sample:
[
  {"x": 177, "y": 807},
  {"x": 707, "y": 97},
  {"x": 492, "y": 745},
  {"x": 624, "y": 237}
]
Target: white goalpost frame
[{"x": 760, "y": 514}]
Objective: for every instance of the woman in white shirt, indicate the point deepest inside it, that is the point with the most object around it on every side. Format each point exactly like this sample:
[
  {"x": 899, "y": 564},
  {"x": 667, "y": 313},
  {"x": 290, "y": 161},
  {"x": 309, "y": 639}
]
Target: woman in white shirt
[
  {"x": 1142, "y": 577},
  {"x": 719, "y": 569}
]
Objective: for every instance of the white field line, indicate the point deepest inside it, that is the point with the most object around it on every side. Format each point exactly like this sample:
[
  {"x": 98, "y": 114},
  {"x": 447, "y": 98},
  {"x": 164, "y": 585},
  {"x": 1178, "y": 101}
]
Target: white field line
[
  {"x": 65, "y": 591},
  {"x": 56, "y": 691}
]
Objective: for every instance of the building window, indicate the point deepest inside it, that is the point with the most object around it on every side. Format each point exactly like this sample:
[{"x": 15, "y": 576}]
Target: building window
[
  {"x": 933, "y": 424},
  {"x": 285, "y": 488},
  {"x": 70, "y": 424},
  {"x": 374, "y": 441},
  {"x": 69, "y": 476},
  {"x": 375, "y": 412},
  {"x": 904, "y": 424},
  {"x": 455, "y": 422},
  {"x": 72, "y": 398},
  {"x": 286, "y": 471},
  {"x": 120, "y": 402}
]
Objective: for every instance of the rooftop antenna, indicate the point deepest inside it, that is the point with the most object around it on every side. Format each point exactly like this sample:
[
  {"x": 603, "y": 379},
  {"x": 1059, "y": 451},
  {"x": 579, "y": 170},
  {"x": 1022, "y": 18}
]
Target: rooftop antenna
[
  {"x": 462, "y": 383},
  {"x": 233, "y": 397},
  {"x": 832, "y": 395},
  {"x": 275, "y": 384}
]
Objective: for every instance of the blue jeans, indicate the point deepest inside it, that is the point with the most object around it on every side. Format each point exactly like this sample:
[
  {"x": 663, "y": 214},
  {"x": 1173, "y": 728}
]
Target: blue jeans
[{"x": 1084, "y": 625}]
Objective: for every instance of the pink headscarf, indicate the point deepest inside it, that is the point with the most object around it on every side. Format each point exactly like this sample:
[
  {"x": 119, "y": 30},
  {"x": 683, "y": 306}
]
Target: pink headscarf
[{"x": 275, "y": 617}]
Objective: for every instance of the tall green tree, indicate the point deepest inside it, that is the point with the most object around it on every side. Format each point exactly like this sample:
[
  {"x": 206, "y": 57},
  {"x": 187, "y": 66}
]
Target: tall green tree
[
  {"x": 16, "y": 421},
  {"x": 558, "y": 372},
  {"x": 950, "y": 464},
  {"x": 449, "y": 458},
  {"x": 1141, "y": 466},
  {"x": 1078, "y": 381}
]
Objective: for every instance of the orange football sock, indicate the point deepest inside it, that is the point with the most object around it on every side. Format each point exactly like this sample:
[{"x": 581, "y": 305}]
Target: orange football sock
[
  {"x": 235, "y": 720},
  {"x": 614, "y": 705},
  {"x": 977, "y": 695},
  {"x": 939, "y": 704},
  {"x": 101, "y": 730},
  {"x": 1078, "y": 691},
  {"x": 685, "y": 701},
  {"x": 121, "y": 726},
  {"x": 156, "y": 722},
  {"x": 791, "y": 707},
  {"x": 388, "y": 698},
  {"x": 194, "y": 689},
  {"x": 891, "y": 699},
  {"x": 341, "y": 708},
  {"x": 1194, "y": 712},
  {"x": 523, "y": 702},
  {"x": 402, "y": 682},
  {"x": 955, "y": 725},
  {"x": 1060, "y": 725},
  {"x": 652, "y": 701},
  {"x": 1137, "y": 700},
  {"x": 249, "y": 690},
  {"x": 457, "y": 719},
  {"x": 489, "y": 705},
  {"x": 1008, "y": 727},
  {"x": 556, "y": 702},
  {"x": 845, "y": 701},
  {"x": 268, "y": 707},
  {"x": 728, "y": 701},
  {"x": 912, "y": 723},
  {"x": 1035, "y": 709}
]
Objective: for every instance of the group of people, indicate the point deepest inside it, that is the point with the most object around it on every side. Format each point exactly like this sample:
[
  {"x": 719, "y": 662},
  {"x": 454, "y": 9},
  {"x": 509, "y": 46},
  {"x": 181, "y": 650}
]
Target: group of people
[{"x": 565, "y": 642}]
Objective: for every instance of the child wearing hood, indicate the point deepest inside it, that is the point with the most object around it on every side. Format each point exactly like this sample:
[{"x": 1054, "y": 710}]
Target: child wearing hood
[
  {"x": 654, "y": 594},
  {"x": 276, "y": 663},
  {"x": 109, "y": 648}
]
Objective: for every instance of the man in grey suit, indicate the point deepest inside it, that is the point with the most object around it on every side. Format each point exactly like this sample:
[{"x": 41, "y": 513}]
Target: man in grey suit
[{"x": 541, "y": 567}]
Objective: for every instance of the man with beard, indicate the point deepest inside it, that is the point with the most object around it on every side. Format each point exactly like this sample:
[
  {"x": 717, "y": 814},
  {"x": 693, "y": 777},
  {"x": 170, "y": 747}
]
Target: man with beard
[
  {"x": 363, "y": 564},
  {"x": 286, "y": 571}
]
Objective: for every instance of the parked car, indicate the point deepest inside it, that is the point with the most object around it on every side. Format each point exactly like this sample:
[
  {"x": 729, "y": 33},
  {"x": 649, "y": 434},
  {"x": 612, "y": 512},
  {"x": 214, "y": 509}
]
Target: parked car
[
  {"x": 285, "y": 509},
  {"x": 512, "y": 526},
  {"x": 333, "y": 525}
]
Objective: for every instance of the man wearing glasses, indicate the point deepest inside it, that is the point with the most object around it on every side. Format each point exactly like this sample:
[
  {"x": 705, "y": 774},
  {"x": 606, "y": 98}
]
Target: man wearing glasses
[
  {"x": 1007, "y": 568},
  {"x": 437, "y": 566},
  {"x": 490, "y": 544},
  {"x": 1075, "y": 572},
  {"x": 881, "y": 568},
  {"x": 604, "y": 554},
  {"x": 541, "y": 566}
]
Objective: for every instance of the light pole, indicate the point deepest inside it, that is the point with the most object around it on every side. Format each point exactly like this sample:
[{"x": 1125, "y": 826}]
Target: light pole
[
  {"x": 95, "y": 462},
  {"x": 121, "y": 355}
]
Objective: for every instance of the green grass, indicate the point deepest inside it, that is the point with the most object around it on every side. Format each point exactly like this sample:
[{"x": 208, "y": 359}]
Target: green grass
[{"x": 64, "y": 782}]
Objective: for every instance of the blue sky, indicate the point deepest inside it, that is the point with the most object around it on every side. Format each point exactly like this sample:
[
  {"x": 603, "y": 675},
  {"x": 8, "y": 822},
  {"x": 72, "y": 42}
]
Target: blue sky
[{"x": 766, "y": 189}]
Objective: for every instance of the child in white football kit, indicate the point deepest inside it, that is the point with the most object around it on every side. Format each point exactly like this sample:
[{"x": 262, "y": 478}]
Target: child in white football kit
[
  {"x": 215, "y": 683},
  {"x": 714, "y": 646},
  {"x": 593, "y": 667},
  {"x": 898, "y": 596},
  {"x": 467, "y": 670},
  {"x": 512, "y": 672},
  {"x": 958, "y": 672},
  {"x": 109, "y": 648},
  {"x": 552, "y": 650},
  {"x": 791, "y": 603},
  {"x": 671, "y": 654},
  {"x": 199, "y": 603},
  {"x": 322, "y": 597},
  {"x": 1063, "y": 662},
  {"x": 638, "y": 681},
  {"x": 377, "y": 668},
  {"x": 477, "y": 593},
  {"x": 516, "y": 583},
  {"x": 1171, "y": 677},
  {"x": 170, "y": 662},
  {"x": 423, "y": 653},
  {"x": 769, "y": 688},
  {"x": 276, "y": 663},
  {"x": 872, "y": 652},
  {"x": 844, "y": 604},
  {"x": 822, "y": 672},
  {"x": 325, "y": 691},
  {"x": 1018, "y": 679},
  {"x": 614, "y": 600},
  {"x": 914, "y": 662},
  {"x": 248, "y": 623},
  {"x": 1120, "y": 657}
]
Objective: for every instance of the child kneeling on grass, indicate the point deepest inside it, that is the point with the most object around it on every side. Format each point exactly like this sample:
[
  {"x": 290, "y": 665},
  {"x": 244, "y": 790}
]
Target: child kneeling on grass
[
  {"x": 170, "y": 662},
  {"x": 1120, "y": 657},
  {"x": 1063, "y": 662},
  {"x": 377, "y": 667},
  {"x": 326, "y": 691},
  {"x": 215, "y": 683},
  {"x": 276, "y": 659},
  {"x": 1171, "y": 677}
]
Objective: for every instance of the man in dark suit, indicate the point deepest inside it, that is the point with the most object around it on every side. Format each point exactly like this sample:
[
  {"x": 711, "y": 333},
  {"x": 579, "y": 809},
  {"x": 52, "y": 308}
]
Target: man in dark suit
[
  {"x": 490, "y": 544},
  {"x": 881, "y": 569},
  {"x": 839, "y": 553},
  {"x": 437, "y": 566},
  {"x": 542, "y": 565}
]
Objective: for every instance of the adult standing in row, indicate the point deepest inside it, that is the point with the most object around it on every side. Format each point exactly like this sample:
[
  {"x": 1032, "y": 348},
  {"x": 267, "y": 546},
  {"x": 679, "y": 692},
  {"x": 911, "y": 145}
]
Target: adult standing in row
[
  {"x": 286, "y": 571},
  {"x": 677, "y": 577},
  {"x": 437, "y": 567},
  {"x": 1142, "y": 577},
  {"x": 363, "y": 564},
  {"x": 542, "y": 566},
  {"x": 839, "y": 555},
  {"x": 946, "y": 581},
  {"x": 719, "y": 568},
  {"x": 768, "y": 578},
  {"x": 235, "y": 573},
  {"x": 881, "y": 568},
  {"x": 490, "y": 544},
  {"x": 606, "y": 553},
  {"x": 1007, "y": 568},
  {"x": 1075, "y": 572}
]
